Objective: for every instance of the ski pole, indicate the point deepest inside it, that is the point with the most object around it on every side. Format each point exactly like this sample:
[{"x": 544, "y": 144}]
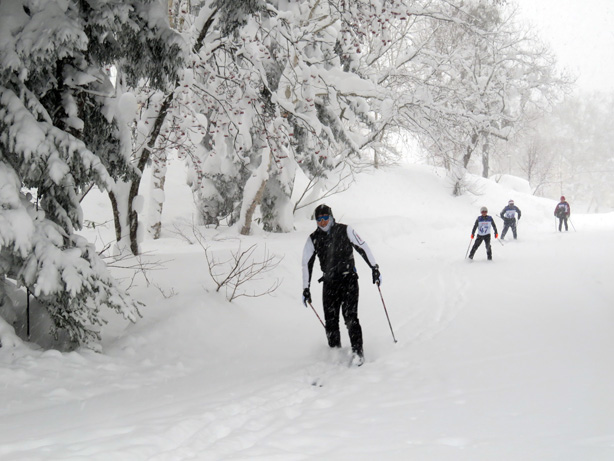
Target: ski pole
[
  {"x": 574, "y": 227},
  {"x": 499, "y": 240},
  {"x": 386, "y": 311},
  {"x": 315, "y": 312},
  {"x": 467, "y": 253}
]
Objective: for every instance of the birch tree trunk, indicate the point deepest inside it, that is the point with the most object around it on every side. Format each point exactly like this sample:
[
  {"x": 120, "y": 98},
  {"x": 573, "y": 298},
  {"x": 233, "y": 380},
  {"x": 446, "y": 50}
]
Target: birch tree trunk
[
  {"x": 123, "y": 195},
  {"x": 159, "y": 173},
  {"x": 176, "y": 19},
  {"x": 118, "y": 196},
  {"x": 156, "y": 203}
]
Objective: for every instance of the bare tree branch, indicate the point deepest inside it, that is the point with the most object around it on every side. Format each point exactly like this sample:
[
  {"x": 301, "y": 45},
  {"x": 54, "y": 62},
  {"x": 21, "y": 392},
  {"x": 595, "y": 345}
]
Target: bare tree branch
[{"x": 239, "y": 269}]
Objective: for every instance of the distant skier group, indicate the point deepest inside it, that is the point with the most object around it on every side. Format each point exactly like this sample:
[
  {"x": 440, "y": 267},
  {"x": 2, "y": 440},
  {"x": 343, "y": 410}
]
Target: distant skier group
[{"x": 511, "y": 214}]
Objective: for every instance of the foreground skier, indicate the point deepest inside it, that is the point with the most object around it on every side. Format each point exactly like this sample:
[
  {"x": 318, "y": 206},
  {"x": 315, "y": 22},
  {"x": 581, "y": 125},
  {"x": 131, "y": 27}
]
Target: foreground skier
[
  {"x": 483, "y": 224},
  {"x": 334, "y": 243}
]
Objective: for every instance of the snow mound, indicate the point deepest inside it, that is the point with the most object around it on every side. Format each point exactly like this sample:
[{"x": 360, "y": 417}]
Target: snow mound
[{"x": 514, "y": 183}]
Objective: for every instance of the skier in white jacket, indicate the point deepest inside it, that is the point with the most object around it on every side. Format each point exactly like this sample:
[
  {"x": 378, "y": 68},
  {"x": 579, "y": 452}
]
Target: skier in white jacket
[{"x": 334, "y": 243}]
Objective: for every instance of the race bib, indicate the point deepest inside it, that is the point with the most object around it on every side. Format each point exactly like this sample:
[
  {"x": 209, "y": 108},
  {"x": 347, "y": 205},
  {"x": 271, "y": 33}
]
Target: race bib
[
  {"x": 484, "y": 227},
  {"x": 509, "y": 214}
]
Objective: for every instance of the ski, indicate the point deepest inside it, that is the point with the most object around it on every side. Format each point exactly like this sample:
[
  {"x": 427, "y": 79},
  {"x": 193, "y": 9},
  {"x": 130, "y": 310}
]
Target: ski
[{"x": 356, "y": 361}]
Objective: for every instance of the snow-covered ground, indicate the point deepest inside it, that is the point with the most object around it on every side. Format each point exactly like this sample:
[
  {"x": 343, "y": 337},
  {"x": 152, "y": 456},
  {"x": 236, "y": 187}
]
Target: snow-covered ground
[{"x": 509, "y": 359}]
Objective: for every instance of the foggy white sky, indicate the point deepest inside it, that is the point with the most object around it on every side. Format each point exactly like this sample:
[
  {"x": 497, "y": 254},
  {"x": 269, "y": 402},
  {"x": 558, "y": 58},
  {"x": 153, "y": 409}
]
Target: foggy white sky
[{"x": 581, "y": 35}]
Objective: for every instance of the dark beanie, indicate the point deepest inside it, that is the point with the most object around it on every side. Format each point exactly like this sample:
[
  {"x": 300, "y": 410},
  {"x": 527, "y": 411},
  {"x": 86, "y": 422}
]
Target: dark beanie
[{"x": 323, "y": 210}]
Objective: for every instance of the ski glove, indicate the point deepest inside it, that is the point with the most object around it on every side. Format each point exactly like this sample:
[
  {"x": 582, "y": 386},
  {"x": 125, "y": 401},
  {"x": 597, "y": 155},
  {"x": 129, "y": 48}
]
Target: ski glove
[
  {"x": 496, "y": 235},
  {"x": 377, "y": 277},
  {"x": 306, "y": 296},
  {"x": 471, "y": 236}
]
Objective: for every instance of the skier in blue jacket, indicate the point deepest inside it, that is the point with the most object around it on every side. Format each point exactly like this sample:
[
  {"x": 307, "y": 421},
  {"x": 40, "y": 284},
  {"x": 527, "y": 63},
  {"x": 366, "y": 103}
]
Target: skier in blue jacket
[
  {"x": 509, "y": 218},
  {"x": 483, "y": 224},
  {"x": 334, "y": 244}
]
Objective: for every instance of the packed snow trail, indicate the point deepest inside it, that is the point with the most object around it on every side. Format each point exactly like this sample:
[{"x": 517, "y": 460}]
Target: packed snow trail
[{"x": 480, "y": 371}]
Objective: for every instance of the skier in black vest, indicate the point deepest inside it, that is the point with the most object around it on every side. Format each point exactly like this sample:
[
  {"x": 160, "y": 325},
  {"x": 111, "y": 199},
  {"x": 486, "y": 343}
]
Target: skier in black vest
[{"x": 334, "y": 243}]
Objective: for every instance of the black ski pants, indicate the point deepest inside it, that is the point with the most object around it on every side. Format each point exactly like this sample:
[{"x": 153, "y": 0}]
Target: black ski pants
[
  {"x": 478, "y": 242},
  {"x": 561, "y": 221},
  {"x": 507, "y": 223},
  {"x": 342, "y": 296}
]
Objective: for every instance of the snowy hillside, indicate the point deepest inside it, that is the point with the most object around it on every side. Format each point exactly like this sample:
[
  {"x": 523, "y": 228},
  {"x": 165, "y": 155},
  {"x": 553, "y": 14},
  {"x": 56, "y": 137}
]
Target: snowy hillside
[{"x": 506, "y": 360}]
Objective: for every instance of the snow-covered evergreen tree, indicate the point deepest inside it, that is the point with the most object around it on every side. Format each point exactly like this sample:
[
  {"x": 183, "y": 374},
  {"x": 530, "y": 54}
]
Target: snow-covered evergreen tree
[{"x": 61, "y": 130}]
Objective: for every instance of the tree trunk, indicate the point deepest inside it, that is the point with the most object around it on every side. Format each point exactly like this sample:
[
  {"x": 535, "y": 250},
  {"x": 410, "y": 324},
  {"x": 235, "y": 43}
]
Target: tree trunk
[
  {"x": 126, "y": 222},
  {"x": 470, "y": 148},
  {"x": 119, "y": 203},
  {"x": 253, "y": 197},
  {"x": 123, "y": 205},
  {"x": 116, "y": 216},
  {"x": 247, "y": 225},
  {"x": 160, "y": 161},
  {"x": 157, "y": 194},
  {"x": 133, "y": 216},
  {"x": 485, "y": 158}
]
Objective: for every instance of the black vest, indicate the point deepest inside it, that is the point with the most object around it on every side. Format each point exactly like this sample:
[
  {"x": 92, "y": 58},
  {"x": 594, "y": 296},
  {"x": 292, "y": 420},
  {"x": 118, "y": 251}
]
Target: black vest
[{"x": 335, "y": 252}]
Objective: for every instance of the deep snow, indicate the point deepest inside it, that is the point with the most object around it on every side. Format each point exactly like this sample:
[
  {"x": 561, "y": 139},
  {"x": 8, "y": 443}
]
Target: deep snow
[{"x": 509, "y": 359}]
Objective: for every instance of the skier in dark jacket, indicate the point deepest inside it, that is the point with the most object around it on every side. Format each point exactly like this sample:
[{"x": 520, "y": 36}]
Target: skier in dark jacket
[
  {"x": 509, "y": 218},
  {"x": 483, "y": 225},
  {"x": 562, "y": 211},
  {"x": 334, "y": 244}
]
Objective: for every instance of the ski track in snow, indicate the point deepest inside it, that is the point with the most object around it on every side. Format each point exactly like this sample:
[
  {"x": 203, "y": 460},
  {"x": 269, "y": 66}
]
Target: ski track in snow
[{"x": 443, "y": 301}]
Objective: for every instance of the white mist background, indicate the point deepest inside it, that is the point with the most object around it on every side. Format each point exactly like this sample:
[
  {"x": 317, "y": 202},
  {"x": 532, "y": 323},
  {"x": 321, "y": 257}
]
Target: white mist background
[{"x": 580, "y": 34}]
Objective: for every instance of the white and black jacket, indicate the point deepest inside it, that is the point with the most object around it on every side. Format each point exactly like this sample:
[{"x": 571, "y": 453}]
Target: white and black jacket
[{"x": 334, "y": 249}]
